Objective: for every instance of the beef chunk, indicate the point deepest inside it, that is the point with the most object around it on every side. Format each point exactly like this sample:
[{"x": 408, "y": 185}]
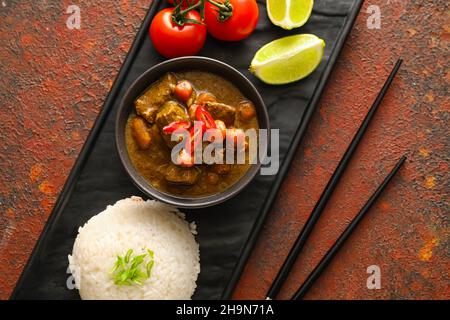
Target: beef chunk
[
  {"x": 148, "y": 104},
  {"x": 181, "y": 176},
  {"x": 221, "y": 111},
  {"x": 170, "y": 112}
]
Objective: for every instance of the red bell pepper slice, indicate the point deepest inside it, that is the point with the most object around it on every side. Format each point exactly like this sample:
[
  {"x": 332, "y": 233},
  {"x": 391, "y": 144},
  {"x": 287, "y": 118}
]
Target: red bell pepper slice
[
  {"x": 196, "y": 136},
  {"x": 202, "y": 115},
  {"x": 177, "y": 125}
]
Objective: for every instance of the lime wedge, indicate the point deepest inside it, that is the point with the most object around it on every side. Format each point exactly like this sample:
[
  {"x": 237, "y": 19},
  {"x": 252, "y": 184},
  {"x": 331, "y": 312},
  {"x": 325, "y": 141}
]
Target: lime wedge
[
  {"x": 288, "y": 59},
  {"x": 289, "y": 14}
]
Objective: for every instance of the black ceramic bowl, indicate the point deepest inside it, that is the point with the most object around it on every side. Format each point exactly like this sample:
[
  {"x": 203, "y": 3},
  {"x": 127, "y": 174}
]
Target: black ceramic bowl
[{"x": 153, "y": 74}]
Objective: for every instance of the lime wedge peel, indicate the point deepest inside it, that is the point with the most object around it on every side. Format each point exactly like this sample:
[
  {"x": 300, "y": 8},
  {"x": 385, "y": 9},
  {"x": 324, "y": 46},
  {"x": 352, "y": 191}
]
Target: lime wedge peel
[
  {"x": 289, "y": 14},
  {"x": 288, "y": 59}
]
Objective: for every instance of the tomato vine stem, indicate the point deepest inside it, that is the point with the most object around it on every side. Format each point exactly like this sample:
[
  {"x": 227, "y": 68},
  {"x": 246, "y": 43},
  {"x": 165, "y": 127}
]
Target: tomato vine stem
[{"x": 224, "y": 10}]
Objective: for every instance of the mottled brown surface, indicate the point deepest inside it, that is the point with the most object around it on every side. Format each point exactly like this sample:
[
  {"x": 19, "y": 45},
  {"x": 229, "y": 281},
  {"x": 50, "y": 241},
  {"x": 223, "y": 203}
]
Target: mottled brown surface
[
  {"x": 54, "y": 81},
  {"x": 407, "y": 231}
]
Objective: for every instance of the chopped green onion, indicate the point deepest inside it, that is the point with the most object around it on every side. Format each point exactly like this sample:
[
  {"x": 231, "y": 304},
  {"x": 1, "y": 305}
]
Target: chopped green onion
[
  {"x": 149, "y": 268},
  {"x": 128, "y": 255},
  {"x": 130, "y": 270}
]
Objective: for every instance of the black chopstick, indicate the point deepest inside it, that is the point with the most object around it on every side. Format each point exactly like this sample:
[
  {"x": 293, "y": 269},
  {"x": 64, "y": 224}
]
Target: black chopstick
[
  {"x": 326, "y": 194},
  {"x": 315, "y": 274}
]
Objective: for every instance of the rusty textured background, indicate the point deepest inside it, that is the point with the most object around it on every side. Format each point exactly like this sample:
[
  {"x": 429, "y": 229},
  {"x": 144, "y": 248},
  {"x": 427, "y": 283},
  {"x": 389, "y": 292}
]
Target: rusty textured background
[{"x": 54, "y": 81}]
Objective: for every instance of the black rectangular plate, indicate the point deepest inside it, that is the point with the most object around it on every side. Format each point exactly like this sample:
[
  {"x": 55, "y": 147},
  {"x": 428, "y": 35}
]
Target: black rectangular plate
[{"x": 227, "y": 232}]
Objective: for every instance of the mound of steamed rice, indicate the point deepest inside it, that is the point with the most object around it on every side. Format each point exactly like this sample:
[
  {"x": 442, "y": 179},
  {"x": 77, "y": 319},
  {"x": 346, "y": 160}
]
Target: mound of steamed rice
[{"x": 139, "y": 225}]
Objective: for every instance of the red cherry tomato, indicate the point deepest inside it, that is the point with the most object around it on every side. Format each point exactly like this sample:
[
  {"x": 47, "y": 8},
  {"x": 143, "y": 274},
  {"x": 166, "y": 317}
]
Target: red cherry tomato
[
  {"x": 183, "y": 90},
  {"x": 185, "y": 159},
  {"x": 172, "y": 40},
  {"x": 220, "y": 125},
  {"x": 239, "y": 26}
]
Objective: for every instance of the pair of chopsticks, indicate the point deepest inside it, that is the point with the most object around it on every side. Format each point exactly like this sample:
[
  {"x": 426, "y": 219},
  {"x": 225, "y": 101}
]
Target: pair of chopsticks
[{"x": 326, "y": 194}]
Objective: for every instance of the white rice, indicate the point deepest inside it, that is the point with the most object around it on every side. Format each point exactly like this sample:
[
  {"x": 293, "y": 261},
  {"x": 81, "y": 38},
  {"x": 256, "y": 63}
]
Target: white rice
[{"x": 139, "y": 225}]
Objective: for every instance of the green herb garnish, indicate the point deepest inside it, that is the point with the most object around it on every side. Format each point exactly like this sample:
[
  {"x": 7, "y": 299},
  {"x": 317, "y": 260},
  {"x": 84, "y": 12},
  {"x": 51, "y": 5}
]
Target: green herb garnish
[{"x": 130, "y": 270}]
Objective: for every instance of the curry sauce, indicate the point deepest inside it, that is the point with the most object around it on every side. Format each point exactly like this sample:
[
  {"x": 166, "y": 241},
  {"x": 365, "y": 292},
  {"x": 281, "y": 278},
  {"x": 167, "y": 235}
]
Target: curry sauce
[{"x": 159, "y": 107}]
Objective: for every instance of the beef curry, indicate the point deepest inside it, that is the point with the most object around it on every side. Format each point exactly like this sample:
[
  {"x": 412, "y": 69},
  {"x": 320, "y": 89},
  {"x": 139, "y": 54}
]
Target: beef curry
[{"x": 173, "y": 102}]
